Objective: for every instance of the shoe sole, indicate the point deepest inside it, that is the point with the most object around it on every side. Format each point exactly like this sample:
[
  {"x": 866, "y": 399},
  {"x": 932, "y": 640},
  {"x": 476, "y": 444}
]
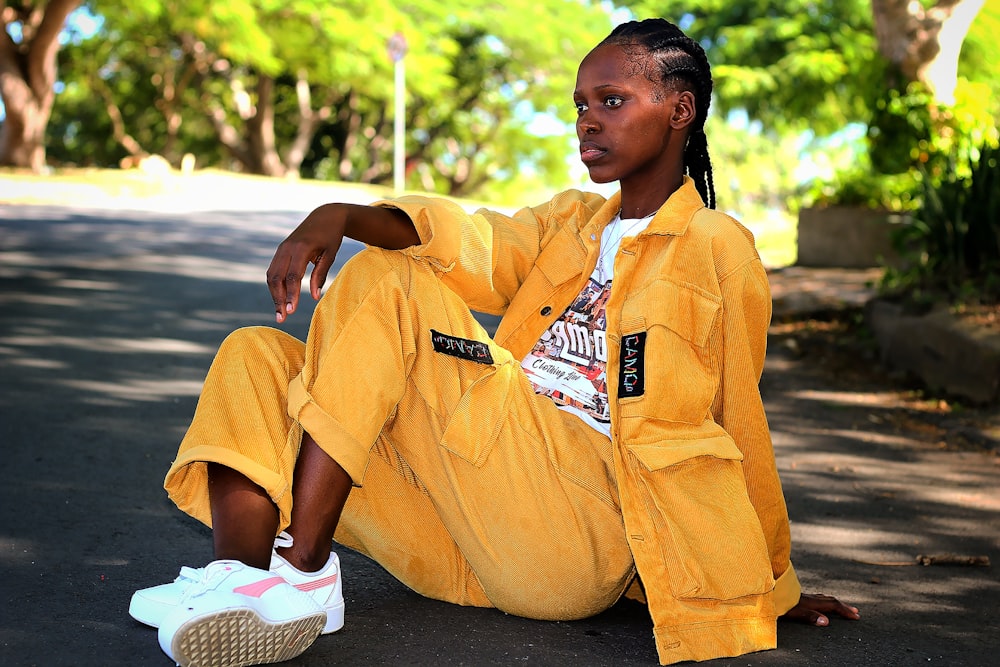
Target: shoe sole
[
  {"x": 150, "y": 613},
  {"x": 240, "y": 637}
]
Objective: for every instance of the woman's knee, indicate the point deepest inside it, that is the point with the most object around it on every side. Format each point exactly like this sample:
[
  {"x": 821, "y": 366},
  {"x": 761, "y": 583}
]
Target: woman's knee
[{"x": 259, "y": 342}]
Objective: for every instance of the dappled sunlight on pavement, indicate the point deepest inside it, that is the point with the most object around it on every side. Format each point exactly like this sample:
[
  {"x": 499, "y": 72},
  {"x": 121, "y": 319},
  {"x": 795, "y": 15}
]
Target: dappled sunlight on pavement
[{"x": 109, "y": 322}]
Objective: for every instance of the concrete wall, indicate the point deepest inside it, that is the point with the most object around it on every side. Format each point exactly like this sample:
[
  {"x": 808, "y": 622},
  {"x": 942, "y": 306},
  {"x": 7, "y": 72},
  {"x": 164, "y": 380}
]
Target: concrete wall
[
  {"x": 944, "y": 352},
  {"x": 846, "y": 236}
]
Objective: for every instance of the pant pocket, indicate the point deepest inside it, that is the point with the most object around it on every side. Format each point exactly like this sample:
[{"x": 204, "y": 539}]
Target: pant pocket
[{"x": 478, "y": 417}]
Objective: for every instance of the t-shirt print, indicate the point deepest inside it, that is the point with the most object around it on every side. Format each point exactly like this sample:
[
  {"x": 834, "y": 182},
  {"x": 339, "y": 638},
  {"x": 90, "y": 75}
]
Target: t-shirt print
[{"x": 568, "y": 364}]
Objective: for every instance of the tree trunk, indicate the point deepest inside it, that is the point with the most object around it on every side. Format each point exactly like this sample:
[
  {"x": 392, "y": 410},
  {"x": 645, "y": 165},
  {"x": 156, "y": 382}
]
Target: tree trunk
[
  {"x": 27, "y": 77},
  {"x": 924, "y": 44},
  {"x": 309, "y": 123},
  {"x": 261, "y": 143}
]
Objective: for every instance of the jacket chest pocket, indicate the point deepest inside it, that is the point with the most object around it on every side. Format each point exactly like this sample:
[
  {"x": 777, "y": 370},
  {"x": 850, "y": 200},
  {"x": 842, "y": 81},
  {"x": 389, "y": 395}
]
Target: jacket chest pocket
[{"x": 665, "y": 335}]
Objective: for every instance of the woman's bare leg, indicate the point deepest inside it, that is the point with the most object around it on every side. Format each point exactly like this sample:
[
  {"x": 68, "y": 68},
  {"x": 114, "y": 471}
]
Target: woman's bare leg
[
  {"x": 244, "y": 520},
  {"x": 319, "y": 491}
]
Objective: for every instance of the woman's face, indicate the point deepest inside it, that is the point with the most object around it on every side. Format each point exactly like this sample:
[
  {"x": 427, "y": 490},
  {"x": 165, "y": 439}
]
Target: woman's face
[{"x": 624, "y": 119}]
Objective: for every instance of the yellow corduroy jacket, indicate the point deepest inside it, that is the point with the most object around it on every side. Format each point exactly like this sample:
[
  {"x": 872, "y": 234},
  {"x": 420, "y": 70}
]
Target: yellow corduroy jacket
[{"x": 686, "y": 331}]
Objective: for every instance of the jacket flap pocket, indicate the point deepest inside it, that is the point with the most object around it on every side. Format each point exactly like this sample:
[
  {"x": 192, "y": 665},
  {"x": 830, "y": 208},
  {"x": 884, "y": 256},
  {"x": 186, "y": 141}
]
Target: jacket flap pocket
[
  {"x": 672, "y": 452},
  {"x": 682, "y": 309}
]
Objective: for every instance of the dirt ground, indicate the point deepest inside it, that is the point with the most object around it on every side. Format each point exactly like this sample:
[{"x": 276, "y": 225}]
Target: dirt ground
[{"x": 841, "y": 346}]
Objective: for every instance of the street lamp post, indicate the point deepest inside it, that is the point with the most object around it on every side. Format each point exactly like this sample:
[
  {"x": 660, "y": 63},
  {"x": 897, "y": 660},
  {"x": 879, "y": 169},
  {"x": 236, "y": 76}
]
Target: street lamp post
[{"x": 397, "y": 51}]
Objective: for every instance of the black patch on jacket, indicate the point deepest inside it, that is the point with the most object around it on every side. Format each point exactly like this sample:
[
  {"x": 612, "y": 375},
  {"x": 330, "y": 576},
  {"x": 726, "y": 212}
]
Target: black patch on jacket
[
  {"x": 632, "y": 366},
  {"x": 463, "y": 348}
]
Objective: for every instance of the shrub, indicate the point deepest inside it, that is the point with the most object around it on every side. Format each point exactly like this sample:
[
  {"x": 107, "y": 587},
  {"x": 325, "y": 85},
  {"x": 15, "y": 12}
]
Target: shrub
[{"x": 951, "y": 245}]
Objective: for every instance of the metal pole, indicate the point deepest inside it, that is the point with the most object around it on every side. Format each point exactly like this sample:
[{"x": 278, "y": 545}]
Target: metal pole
[{"x": 399, "y": 126}]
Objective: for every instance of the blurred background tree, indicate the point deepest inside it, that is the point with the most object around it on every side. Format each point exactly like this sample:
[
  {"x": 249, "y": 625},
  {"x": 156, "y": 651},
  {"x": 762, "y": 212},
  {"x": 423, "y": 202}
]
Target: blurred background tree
[
  {"x": 846, "y": 94},
  {"x": 305, "y": 87},
  {"x": 29, "y": 43}
]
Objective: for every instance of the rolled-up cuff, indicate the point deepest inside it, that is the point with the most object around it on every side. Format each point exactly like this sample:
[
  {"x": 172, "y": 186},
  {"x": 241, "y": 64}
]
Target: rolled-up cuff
[
  {"x": 787, "y": 591},
  {"x": 331, "y": 437},
  {"x": 186, "y": 482},
  {"x": 435, "y": 221}
]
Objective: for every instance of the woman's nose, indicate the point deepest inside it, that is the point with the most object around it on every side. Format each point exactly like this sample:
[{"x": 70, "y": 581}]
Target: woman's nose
[{"x": 585, "y": 124}]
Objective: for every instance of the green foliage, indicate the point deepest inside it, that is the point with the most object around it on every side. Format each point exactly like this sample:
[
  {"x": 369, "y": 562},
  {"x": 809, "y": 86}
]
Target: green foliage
[
  {"x": 188, "y": 79},
  {"x": 951, "y": 245},
  {"x": 791, "y": 64},
  {"x": 910, "y": 129},
  {"x": 980, "y": 54},
  {"x": 862, "y": 186},
  {"x": 754, "y": 169}
]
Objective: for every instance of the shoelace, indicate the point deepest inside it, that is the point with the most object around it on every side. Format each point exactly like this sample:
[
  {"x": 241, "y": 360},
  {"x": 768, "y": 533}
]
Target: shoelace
[
  {"x": 201, "y": 579},
  {"x": 189, "y": 578},
  {"x": 197, "y": 579},
  {"x": 189, "y": 574}
]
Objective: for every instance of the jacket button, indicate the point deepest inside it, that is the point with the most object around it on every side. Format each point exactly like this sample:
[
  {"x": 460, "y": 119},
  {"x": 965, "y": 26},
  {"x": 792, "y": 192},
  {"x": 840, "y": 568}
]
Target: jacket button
[{"x": 546, "y": 310}]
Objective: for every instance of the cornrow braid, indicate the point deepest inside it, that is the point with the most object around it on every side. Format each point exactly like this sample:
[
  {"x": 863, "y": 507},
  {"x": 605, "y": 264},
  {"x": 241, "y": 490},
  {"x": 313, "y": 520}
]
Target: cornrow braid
[{"x": 679, "y": 58}]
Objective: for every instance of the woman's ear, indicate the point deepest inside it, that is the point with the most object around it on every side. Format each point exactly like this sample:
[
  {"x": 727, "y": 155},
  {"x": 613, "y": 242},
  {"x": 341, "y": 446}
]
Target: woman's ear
[{"x": 684, "y": 110}]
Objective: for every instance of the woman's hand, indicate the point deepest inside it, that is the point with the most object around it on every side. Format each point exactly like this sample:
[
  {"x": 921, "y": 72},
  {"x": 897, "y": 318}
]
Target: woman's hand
[
  {"x": 318, "y": 238},
  {"x": 315, "y": 241},
  {"x": 815, "y": 610}
]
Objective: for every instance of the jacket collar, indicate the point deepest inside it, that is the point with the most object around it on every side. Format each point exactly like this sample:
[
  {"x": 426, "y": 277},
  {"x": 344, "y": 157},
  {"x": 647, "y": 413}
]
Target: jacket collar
[
  {"x": 676, "y": 213},
  {"x": 673, "y": 217}
]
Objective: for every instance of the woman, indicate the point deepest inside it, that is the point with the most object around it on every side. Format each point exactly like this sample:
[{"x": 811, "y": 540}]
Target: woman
[{"x": 610, "y": 438}]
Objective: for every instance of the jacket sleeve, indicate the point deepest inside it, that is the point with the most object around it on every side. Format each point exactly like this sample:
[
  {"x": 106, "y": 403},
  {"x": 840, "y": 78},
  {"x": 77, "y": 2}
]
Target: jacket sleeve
[
  {"x": 484, "y": 256},
  {"x": 739, "y": 409}
]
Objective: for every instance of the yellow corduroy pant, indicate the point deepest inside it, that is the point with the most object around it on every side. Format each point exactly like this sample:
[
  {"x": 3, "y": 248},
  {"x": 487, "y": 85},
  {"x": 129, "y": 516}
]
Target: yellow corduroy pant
[{"x": 469, "y": 487}]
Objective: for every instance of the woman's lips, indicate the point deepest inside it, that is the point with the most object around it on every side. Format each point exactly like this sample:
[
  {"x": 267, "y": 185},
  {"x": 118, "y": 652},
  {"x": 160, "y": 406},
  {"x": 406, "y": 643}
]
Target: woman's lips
[{"x": 590, "y": 152}]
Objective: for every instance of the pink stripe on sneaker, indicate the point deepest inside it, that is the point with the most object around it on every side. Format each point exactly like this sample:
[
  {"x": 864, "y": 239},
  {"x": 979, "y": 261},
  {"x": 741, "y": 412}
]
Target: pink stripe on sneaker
[
  {"x": 258, "y": 588},
  {"x": 319, "y": 583}
]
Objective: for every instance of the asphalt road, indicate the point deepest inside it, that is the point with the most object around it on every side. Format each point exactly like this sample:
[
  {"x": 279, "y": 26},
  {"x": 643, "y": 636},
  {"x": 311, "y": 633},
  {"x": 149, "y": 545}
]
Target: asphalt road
[{"x": 109, "y": 320}]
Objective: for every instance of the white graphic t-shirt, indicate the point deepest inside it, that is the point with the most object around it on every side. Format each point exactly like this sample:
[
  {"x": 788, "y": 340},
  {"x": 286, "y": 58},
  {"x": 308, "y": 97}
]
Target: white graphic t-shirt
[{"x": 568, "y": 363}]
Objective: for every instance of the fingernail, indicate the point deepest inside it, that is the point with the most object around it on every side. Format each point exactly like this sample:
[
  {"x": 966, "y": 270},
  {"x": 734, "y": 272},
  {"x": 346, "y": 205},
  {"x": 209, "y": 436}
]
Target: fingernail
[{"x": 288, "y": 307}]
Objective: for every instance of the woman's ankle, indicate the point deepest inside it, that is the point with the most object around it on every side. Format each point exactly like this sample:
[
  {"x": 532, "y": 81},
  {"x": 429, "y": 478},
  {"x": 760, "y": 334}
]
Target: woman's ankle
[{"x": 304, "y": 558}]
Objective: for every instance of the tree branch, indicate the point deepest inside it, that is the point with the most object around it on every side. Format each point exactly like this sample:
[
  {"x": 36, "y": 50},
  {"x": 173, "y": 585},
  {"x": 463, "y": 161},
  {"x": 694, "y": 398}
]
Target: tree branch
[
  {"x": 127, "y": 141},
  {"x": 45, "y": 45}
]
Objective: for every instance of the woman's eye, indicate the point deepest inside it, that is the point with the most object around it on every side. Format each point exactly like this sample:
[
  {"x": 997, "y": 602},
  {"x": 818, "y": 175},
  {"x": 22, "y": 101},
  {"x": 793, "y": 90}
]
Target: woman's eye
[
  {"x": 613, "y": 101},
  {"x": 580, "y": 107}
]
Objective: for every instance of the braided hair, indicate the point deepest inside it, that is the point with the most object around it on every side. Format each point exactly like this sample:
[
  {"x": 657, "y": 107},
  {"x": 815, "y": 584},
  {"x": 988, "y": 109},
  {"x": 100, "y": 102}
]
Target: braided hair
[{"x": 679, "y": 59}]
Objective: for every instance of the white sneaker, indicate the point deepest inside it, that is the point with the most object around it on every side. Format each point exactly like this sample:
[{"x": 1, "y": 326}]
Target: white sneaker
[
  {"x": 151, "y": 605},
  {"x": 235, "y": 615},
  {"x": 324, "y": 585}
]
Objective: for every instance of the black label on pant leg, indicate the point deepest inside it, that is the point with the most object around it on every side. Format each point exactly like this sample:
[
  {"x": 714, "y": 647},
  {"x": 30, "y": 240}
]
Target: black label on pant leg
[
  {"x": 632, "y": 366},
  {"x": 463, "y": 348}
]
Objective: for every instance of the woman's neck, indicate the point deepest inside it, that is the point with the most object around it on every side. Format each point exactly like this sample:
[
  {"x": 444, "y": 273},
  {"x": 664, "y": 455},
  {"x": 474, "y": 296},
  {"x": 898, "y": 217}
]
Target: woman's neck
[{"x": 640, "y": 202}]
